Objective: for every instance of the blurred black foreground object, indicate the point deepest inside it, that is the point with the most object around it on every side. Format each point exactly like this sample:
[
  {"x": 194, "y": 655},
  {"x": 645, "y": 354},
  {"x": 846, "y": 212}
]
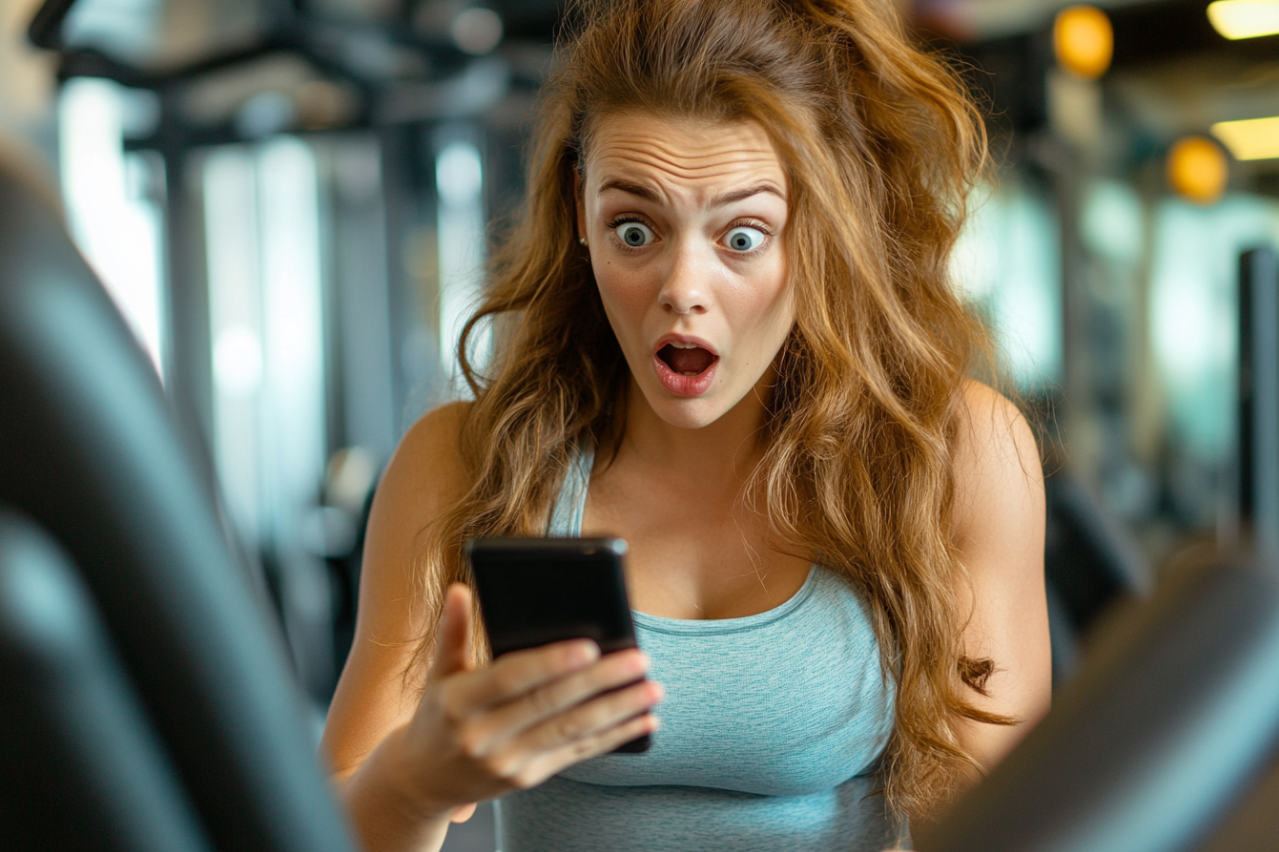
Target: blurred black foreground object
[
  {"x": 1172, "y": 719},
  {"x": 91, "y": 464},
  {"x": 82, "y": 768}
]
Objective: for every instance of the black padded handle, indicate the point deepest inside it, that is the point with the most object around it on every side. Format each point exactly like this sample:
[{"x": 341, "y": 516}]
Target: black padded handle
[
  {"x": 88, "y": 450},
  {"x": 1166, "y": 724},
  {"x": 81, "y": 769}
]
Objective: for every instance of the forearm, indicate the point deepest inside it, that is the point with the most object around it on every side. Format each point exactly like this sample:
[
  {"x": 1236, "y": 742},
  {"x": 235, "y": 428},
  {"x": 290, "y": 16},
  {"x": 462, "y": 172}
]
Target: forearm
[{"x": 384, "y": 817}]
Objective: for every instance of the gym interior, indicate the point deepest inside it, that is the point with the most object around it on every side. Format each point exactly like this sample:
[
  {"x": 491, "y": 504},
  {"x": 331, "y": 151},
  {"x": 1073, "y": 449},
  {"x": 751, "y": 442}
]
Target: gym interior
[{"x": 271, "y": 221}]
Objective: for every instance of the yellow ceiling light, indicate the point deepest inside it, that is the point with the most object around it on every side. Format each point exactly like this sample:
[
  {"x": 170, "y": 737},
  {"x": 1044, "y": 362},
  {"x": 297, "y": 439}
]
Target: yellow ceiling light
[
  {"x": 1253, "y": 139},
  {"x": 1197, "y": 169},
  {"x": 1083, "y": 41},
  {"x": 1237, "y": 19}
]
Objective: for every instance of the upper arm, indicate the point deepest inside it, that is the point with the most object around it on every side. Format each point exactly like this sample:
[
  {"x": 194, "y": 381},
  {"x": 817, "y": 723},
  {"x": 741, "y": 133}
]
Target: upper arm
[
  {"x": 424, "y": 479},
  {"x": 999, "y": 519}
]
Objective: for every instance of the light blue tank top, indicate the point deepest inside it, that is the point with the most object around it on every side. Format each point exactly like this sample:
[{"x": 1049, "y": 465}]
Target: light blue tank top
[{"x": 772, "y": 727}]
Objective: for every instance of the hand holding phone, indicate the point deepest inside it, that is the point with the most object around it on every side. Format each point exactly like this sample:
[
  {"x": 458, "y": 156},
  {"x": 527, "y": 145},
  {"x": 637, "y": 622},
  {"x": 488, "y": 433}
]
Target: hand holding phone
[
  {"x": 480, "y": 733},
  {"x": 536, "y": 591}
]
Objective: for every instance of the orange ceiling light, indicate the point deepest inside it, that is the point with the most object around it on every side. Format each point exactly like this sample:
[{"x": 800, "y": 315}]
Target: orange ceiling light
[
  {"x": 1083, "y": 41},
  {"x": 1236, "y": 19},
  {"x": 1198, "y": 170}
]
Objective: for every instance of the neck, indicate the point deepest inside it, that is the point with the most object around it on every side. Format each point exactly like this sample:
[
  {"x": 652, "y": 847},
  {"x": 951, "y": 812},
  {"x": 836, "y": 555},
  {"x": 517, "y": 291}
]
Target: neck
[{"x": 719, "y": 455}]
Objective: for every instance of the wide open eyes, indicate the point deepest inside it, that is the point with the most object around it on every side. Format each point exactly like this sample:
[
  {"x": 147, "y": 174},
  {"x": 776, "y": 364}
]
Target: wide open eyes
[
  {"x": 744, "y": 239},
  {"x": 634, "y": 234}
]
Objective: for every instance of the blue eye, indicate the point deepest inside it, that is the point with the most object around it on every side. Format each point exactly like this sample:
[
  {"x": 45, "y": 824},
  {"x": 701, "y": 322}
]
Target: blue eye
[
  {"x": 634, "y": 234},
  {"x": 744, "y": 239}
]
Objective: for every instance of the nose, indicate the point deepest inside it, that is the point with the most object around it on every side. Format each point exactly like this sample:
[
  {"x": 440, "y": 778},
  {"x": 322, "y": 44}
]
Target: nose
[{"x": 684, "y": 290}]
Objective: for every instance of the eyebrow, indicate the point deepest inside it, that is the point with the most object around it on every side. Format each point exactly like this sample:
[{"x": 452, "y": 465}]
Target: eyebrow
[
  {"x": 736, "y": 195},
  {"x": 741, "y": 194}
]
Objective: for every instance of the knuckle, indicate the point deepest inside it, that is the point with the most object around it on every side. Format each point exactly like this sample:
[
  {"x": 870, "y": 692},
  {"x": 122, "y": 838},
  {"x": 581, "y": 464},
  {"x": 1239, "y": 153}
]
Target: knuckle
[
  {"x": 583, "y": 749},
  {"x": 471, "y": 743},
  {"x": 542, "y": 701},
  {"x": 569, "y": 728},
  {"x": 602, "y": 741},
  {"x": 452, "y": 703},
  {"x": 506, "y": 681},
  {"x": 526, "y": 780},
  {"x": 500, "y": 766}
]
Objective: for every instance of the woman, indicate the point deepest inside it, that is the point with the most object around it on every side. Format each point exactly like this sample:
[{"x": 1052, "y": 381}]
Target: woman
[{"x": 725, "y": 333}]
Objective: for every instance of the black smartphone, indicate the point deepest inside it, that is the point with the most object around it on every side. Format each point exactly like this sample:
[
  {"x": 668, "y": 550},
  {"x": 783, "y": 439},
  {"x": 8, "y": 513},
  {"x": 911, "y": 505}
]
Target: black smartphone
[{"x": 535, "y": 591}]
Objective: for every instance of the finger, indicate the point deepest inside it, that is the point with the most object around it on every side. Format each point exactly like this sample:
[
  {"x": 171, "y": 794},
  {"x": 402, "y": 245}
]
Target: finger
[
  {"x": 517, "y": 673},
  {"x": 559, "y": 696},
  {"x": 453, "y": 635},
  {"x": 463, "y": 813},
  {"x": 602, "y": 742},
  {"x": 586, "y": 722}
]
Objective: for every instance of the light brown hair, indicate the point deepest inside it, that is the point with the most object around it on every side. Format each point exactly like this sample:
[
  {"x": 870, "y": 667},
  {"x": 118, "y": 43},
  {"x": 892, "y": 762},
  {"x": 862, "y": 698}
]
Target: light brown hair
[{"x": 881, "y": 144}]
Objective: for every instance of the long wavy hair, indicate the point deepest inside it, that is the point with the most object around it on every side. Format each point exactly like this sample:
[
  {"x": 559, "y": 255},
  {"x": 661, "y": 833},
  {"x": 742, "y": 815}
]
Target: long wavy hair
[{"x": 881, "y": 145}]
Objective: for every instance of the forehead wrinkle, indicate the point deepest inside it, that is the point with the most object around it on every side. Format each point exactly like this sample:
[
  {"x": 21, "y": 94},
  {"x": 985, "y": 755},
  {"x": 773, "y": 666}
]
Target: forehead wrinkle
[
  {"x": 746, "y": 156},
  {"x": 643, "y": 186},
  {"x": 632, "y": 175},
  {"x": 710, "y": 165},
  {"x": 680, "y": 171},
  {"x": 665, "y": 186}
]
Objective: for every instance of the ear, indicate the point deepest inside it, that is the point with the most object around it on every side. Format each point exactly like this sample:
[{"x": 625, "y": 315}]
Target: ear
[{"x": 578, "y": 204}]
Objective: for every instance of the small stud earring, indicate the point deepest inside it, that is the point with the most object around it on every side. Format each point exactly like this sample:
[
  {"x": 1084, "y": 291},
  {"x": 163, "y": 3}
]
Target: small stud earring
[{"x": 582, "y": 240}]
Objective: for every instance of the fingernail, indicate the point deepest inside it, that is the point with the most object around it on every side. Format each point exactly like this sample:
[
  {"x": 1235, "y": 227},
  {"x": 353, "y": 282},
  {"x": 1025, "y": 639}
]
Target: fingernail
[{"x": 584, "y": 652}]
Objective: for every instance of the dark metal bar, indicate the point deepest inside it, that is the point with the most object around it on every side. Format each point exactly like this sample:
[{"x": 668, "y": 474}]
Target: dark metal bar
[{"x": 1258, "y": 455}]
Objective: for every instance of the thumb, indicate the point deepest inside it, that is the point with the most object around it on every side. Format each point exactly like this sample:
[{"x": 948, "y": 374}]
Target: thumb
[
  {"x": 463, "y": 813},
  {"x": 453, "y": 635}
]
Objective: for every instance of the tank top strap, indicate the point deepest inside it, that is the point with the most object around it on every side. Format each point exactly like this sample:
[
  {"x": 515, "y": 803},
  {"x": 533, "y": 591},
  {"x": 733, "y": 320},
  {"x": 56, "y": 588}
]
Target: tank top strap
[{"x": 570, "y": 503}]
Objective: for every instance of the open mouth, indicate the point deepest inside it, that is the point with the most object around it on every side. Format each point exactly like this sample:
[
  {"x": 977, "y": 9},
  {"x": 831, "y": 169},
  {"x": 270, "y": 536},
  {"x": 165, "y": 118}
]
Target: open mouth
[{"x": 686, "y": 359}]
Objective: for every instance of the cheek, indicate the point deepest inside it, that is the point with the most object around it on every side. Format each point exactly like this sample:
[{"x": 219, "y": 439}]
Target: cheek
[
  {"x": 767, "y": 301},
  {"x": 624, "y": 299}
]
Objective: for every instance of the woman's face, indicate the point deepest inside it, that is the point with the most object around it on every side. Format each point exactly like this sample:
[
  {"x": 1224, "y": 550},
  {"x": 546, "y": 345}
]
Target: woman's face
[{"x": 684, "y": 221}]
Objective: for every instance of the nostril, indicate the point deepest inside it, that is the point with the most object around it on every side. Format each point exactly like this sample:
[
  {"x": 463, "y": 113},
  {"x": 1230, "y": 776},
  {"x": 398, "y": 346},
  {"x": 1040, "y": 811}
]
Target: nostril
[{"x": 682, "y": 303}]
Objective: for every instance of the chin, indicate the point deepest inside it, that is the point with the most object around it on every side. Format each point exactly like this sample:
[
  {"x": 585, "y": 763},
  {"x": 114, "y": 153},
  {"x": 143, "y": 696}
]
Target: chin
[
  {"x": 683, "y": 416},
  {"x": 686, "y": 413}
]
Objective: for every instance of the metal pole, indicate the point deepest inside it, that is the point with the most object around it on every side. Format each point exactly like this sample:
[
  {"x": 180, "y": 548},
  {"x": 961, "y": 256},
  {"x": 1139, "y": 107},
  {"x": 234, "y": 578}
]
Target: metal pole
[
  {"x": 1259, "y": 397},
  {"x": 186, "y": 341}
]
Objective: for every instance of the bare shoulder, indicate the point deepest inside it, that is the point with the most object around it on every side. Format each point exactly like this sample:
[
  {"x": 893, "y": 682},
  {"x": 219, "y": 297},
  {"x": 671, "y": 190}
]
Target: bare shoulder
[
  {"x": 427, "y": 466},
  {"x": 423, "y": 480},
  {"x": 996, "y": 460},
  {"x": 434, "y": 441},
  {"x": 990, "y": 422}
]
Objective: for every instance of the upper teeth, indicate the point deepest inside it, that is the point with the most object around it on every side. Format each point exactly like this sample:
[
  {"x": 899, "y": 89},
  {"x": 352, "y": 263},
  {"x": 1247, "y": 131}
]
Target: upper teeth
[{"x": 684, "y": 345}]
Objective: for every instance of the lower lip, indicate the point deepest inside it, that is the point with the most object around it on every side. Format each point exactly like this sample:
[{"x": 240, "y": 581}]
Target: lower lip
[{"x": 682, "y": 385}]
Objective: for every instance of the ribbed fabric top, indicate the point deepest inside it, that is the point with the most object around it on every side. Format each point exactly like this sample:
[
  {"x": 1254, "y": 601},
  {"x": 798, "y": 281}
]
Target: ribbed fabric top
[{"x": 772, "y": 726}]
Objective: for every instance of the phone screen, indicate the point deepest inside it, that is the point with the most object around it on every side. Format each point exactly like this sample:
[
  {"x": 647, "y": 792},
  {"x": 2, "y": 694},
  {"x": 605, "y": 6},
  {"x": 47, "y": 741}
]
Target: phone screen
[{"x": 535, "y": 591}]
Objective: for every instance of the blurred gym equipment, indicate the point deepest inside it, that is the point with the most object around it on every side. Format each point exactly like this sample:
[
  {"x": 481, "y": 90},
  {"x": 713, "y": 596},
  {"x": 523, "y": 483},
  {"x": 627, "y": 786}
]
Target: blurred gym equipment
[
  {"x": 1090, "y": 565},
  {"x": 1169, "y": 721},
  {"x": 1258, "y": 456},
  {"x": 144, "y": 668},
  {"x": 84, "y": 770},
  {"x": 90, "y": 454}
]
